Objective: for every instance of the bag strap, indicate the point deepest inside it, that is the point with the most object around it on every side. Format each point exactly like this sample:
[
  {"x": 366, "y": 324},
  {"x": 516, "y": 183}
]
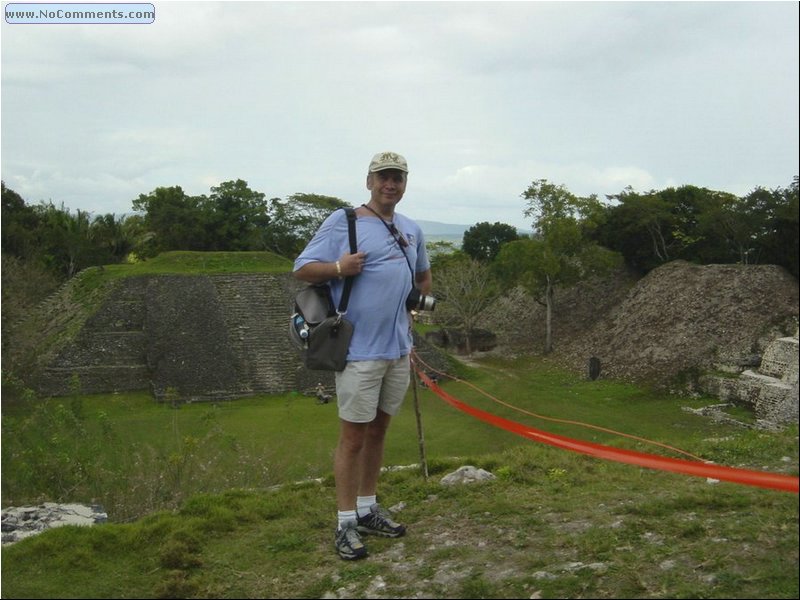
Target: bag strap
[{"x": 348, "y": 281}]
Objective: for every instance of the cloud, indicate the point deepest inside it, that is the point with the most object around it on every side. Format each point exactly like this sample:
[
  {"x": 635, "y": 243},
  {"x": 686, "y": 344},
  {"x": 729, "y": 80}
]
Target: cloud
[
  {"x": 482, "y": 98},
  {"x": 580, "y": 179}
]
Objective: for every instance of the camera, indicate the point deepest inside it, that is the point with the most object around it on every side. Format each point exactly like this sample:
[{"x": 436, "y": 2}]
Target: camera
[{"x": 416, "y": 300}]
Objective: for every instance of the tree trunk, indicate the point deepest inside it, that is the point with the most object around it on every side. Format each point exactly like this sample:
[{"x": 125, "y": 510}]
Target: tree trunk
[{"x": 548, "y": 297}]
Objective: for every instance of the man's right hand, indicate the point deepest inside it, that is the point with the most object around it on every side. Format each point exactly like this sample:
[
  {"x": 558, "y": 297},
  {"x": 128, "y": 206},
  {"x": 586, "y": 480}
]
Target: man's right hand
[{"x": 352, "y": 264}]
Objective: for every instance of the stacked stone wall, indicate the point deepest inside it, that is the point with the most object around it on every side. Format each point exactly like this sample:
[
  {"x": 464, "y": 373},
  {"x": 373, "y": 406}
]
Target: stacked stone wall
[
  {"x": 771, "y": 390},
  {"x": 109, "y": 351},
  {"x": 189, "y": 350},
  {"x": 186, "y": 338},
  {"x": 225, "y": 336},
  {"x": 780, "y": 360}
]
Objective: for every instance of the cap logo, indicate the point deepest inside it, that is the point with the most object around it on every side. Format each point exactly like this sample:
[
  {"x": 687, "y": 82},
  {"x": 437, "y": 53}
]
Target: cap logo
[
  {"x": 388, "y": 160},
  {"x": 389, "y": 157}
]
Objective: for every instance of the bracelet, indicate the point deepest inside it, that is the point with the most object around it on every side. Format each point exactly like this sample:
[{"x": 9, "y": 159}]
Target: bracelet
[{"x": 338, "y": 269}]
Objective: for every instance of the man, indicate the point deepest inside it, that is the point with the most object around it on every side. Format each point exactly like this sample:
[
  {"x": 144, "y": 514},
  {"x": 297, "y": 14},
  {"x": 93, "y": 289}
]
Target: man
[
  {"x": 323, "y": 397},
  {"x": 373, "y": 385}
]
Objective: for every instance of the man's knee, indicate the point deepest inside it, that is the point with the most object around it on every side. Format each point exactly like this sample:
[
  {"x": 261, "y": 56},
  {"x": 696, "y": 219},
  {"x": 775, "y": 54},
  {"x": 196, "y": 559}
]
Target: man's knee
[
  {"x": 377, "y": 428},
  {"x": 352, "y": 436}
]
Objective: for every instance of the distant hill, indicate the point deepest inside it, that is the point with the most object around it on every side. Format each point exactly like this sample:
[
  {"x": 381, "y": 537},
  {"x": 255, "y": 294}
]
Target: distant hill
[
  {"x": 448, "y": 231},
  {"x": 436, "y": 228}
]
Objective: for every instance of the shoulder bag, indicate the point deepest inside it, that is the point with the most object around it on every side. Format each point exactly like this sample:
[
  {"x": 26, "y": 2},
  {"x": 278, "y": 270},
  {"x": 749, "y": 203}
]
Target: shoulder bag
[{"x": 317, "y": 327}]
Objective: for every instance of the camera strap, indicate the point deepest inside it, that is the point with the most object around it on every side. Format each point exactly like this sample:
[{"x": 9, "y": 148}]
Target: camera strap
[{"x": 398, "y": 238}]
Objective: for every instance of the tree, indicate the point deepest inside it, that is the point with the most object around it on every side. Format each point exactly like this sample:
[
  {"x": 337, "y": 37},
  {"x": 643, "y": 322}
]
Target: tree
[
  {"x": 439, "y": 248},
  {"x": 111, "y": 240},
  {"x": 785, "y": 250},
  {"x": 560, "y": 253},
  {"x": 20, "y": 223},
  {"x": 731, "y": 231},
  {"x": 483, "y": 241},
  {"x": 703, "y": 226},
  {"x": 310, "y": 210},
  {"x": 174, "y": 219},
  {"x": 694, "y": 237},
  {"x": 772, "y": 217},
  {"x": 294, "y": 222},
  {"x": 141, "y": 238},
  {"x": 65, "y": 239},
  {"x": 234, "y": 216},
  {"x": 465, "y": 287},
  {"x": 638, "y": 227},
  {"x": 53, "y": 238}
]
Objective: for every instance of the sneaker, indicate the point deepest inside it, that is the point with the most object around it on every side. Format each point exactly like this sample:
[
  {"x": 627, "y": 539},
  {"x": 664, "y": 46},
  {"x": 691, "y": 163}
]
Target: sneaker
[
  {"x": 379, "y": 522},
  {"x": 348, "y": 542}
]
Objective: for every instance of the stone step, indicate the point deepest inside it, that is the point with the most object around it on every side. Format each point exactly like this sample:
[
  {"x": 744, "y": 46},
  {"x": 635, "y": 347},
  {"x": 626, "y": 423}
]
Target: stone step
[
  {"x": 118, "y": 315},
  {"x": 58, "y": 381},
  {"x": 96, "y": 348},
  {"x": 762, "y": 379},
  {"x": 772, "y": 399},
  {"x": 781, "y": 359},
  {"x": 256, "y": 311},
  {"x": 209, "y": 337}
]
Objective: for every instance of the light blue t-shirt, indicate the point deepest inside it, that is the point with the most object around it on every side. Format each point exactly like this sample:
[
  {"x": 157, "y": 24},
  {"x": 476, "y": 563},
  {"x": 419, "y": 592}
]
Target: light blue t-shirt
[{"x": 381, "y": 328}]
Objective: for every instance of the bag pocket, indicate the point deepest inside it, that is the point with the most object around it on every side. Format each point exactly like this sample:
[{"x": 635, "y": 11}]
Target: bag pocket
[{"x": 328, "y": 344}]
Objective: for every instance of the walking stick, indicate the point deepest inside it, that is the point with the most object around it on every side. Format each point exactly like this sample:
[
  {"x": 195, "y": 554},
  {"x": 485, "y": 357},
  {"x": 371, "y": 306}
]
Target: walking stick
[{"x": 420, "y": 436}]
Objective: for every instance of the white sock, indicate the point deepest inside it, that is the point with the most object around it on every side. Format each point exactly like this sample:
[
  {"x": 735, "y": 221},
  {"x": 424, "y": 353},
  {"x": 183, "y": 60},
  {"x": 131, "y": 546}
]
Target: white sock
[
  {"x": 345, "y": 516},
  {"x": 364, "y": 504}
]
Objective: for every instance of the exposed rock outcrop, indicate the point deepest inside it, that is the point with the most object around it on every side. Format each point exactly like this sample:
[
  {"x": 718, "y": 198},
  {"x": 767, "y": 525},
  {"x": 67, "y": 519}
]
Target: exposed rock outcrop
[
  {"x": 24, "y": 521},
  {"x": 671, "y": 327}
]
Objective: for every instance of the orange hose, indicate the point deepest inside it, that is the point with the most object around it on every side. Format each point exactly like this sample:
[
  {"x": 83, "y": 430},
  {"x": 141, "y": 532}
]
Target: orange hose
[
  {"x": 557, "y": 420},
  {"x": 698, "y": 468}
]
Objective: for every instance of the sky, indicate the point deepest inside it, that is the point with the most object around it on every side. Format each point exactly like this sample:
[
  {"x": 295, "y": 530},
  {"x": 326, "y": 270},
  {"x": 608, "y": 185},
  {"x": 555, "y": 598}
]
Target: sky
[{"x": 482, "y": 98}]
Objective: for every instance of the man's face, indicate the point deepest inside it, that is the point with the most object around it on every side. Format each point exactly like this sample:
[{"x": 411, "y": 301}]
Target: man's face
[{"x": 387, "y": 186}]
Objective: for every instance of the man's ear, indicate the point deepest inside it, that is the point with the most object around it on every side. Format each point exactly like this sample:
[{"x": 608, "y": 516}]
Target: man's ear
[{"x": 369, "y": 181}]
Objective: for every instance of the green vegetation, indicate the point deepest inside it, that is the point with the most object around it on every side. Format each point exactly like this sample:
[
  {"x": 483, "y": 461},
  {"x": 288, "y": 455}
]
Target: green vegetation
[
  {"x": 231, "y": 218},
  {"x": 202, "y": 263},
  {"x": 647, "y": 229},
  {"x": 196, "y": 510}
]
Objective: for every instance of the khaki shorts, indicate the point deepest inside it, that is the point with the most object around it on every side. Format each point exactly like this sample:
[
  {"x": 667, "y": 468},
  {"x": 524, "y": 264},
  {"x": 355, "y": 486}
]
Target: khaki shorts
[{"x": 367, "y": 385}]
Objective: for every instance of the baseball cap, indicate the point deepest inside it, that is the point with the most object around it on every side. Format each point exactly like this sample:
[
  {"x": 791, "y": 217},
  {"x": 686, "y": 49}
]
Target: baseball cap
[{"x": 388, "y": 160}]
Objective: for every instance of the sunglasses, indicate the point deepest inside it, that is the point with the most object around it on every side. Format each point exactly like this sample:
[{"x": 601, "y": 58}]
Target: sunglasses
[{"x": 398, "y": 236}]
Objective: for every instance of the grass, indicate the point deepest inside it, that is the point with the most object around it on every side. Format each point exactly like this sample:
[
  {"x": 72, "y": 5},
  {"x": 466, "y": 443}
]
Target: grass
[
  {"x": 203, "y": 499},
  {"x": 194, "y": 512},
  {"x": 180, "y": 262},
  {"x": 201, "y": 263}
]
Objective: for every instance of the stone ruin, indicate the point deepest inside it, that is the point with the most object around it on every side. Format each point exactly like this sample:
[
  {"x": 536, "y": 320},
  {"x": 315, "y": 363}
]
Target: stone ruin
[
  {"x": 24, "y": 521},
  {"x": 455, "y": 340},
  {"x": 217, "y": 337},
  {"x": 771, "y": 388},
  {"x": 186, "y": 339}
]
